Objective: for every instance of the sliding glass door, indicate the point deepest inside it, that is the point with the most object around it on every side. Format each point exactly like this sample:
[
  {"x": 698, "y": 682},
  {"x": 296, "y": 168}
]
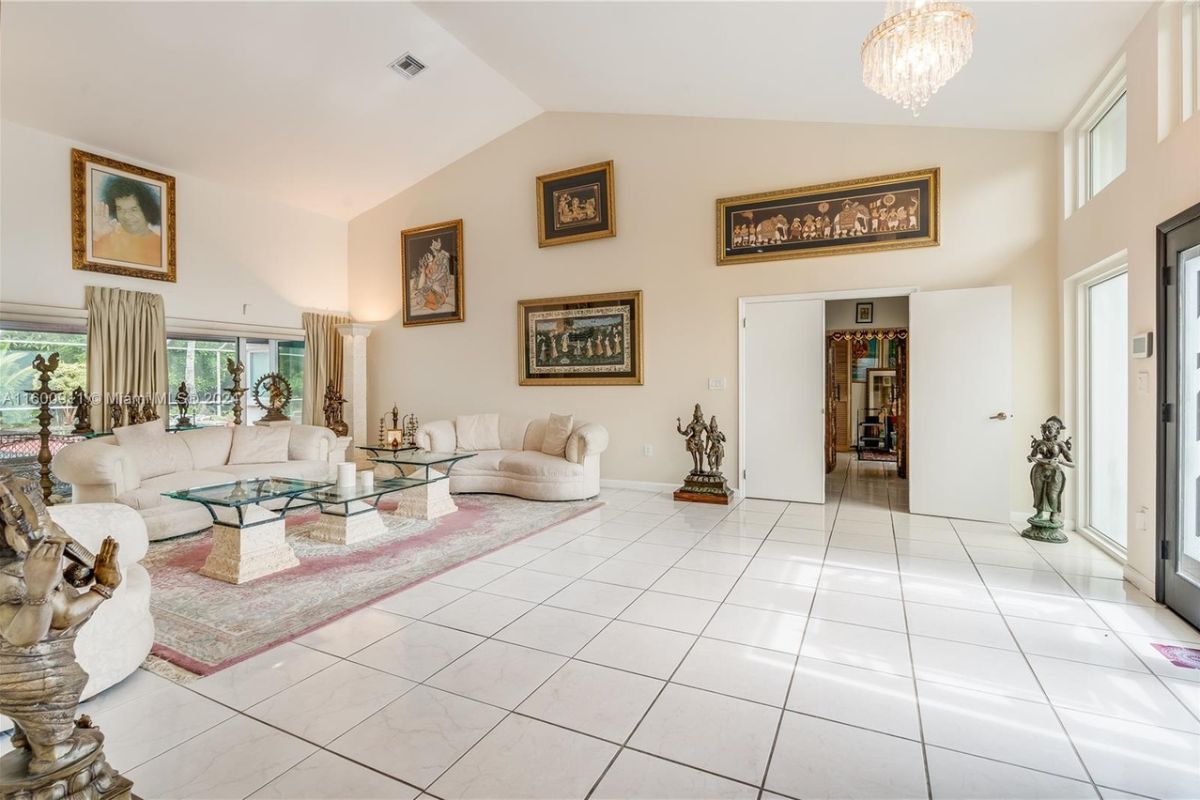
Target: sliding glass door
[{"x": 1106, "y": 404}]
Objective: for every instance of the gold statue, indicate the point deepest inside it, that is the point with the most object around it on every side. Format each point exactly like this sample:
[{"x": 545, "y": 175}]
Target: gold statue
[
  {"x": 236, "y": 368},
  {"x": 42, "y": 607},
  {"x": 333, "y": 410},
  {"x": 279, "y": 394}
]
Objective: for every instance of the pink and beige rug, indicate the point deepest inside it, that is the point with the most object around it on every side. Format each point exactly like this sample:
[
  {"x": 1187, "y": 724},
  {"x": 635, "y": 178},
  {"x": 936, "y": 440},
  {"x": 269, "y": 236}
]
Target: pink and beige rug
[{"x": 204, "y": 625}]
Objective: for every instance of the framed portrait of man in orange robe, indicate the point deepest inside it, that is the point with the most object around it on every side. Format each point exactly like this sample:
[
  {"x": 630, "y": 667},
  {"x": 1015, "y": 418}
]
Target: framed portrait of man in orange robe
[{"x": 122, "y": 218}]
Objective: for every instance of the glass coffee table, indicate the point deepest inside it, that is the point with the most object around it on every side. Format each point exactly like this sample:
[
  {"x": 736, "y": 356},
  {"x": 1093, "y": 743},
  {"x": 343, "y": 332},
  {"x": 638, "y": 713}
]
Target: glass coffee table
[
  {"x": 248, "y": 539},
  {"x": 429, "y": 497},
  {"x": 348, "y": 513}
]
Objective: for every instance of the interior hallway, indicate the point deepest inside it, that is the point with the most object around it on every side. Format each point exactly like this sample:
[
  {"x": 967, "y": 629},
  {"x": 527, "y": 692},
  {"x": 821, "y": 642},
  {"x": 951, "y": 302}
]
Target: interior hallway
[{"x": 669, "y": 650}]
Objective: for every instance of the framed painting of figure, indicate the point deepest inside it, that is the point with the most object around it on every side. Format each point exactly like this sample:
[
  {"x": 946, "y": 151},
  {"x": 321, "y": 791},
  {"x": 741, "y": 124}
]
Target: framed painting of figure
[
  {"x": 576, "y": 205},
  {"x": 886, "y": 212},
  {"x": 432, "y": 266},
  {"x": 586, "y": 340},
  {"x": 122, "y": 218}
]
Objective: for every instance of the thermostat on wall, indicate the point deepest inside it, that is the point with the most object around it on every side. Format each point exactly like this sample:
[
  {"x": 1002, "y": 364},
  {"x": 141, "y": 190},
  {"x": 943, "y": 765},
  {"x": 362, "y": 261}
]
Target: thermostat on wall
[{"x": 1143, "y": 345}]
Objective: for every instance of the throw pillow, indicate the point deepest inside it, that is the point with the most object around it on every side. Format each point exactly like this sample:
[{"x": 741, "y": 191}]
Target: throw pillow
[
  {"x": 148, "y": 443},
  {"x": 259, "y": 444},
  {"x": 478, "y": 432},
  {"x": 558, "y": 430}
]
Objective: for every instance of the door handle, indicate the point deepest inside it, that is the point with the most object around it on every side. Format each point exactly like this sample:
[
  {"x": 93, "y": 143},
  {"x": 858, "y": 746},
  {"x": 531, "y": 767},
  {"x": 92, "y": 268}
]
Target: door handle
[{"x": 1000, "y": 416}]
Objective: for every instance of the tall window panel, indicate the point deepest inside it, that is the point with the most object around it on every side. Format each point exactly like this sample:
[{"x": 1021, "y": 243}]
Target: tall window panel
[
  {"x": 18, "y": 347},
  {"x": 200, "y": 363},
  {"x": 291, "y": 366},
  {"x": 1106, "y": 147},
  {"x": 1106, "y": 454}
]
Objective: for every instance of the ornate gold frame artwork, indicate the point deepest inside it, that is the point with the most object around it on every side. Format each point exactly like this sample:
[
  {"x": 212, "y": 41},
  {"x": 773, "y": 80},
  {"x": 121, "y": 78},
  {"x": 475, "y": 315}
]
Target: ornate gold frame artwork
[
  {"x": 586, "y": 340},
  {"x": 576, "y": 205},
  {"x": 432, "y": 269},
  {"x": 886, "y": 212},
  {"x": 122, "y": 218}
]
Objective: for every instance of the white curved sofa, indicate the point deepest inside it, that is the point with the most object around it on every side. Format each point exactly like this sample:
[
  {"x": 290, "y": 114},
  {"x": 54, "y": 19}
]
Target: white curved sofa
[
  {"x": 519, "y": 467},
  {"x": 102, "y": 470}
]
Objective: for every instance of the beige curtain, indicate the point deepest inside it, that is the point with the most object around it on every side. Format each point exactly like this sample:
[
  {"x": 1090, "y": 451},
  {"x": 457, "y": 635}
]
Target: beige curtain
[
  {"x": 127, "y": 348},
  {"x": 322, "y": 361}
]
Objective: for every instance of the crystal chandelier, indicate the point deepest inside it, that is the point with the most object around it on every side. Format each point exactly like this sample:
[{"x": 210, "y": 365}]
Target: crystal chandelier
[{"x": 917, "y": 48}]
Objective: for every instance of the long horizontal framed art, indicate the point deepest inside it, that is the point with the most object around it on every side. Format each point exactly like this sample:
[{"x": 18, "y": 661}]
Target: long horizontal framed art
[
  {"x": 585, "y": 340},
  {"x": 886, "y": 212}
]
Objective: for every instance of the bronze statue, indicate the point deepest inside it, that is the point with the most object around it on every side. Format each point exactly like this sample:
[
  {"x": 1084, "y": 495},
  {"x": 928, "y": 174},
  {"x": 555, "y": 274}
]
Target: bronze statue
[
  {"x": 279, "y": 394},
  {"x": 716, "y": 447},
  {"x": 44, "y": 396},
  {"x": 42, "y": 607},
  {"x": 116, "y": 414},
  {"x": 1048, "y": 455},
  {"x": 135, "y": 411},
  {"x": 333, "y": 410},
  {"x": 83, "y": 411},
  {"x": 236, "y": 368},
  {"x": 182, "y": 405},
  {"x": 410, "y": 424},
  {"x": 694, "y": 433},
  {"x": 149, "y": 410}
]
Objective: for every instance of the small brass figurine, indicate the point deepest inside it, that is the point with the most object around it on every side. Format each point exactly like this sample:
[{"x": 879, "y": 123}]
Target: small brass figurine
[
  {"x": 149, "y": 410},
  {"x": 236, "y": 368},
  {"x": 1048, "y": 456},
  {"x": 395, "y": 417},
  {"x": 703, "y": 441},
  {"x": 135, "y": 411},
  {"x": 410, "y": 425},
  {"x": 116, "y": 414},
  {"x": 83, "y": 411},
  {"x": 182, "y": 405},
  {"x": 333, "y": 410},
  {"x": 279, "y": 394},
  {"x": 382, "y": 430},
  {"x": 42, "y": 608}
]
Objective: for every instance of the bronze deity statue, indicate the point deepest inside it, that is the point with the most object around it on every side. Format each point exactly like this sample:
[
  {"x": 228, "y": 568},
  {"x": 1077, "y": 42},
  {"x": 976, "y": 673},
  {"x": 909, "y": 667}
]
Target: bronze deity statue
[
  {"x": 279, "y": 394},
  {"x": 704, "y": 440},
  {"x": 43, "y": 605},
  {"x": 116, "y": 414},
  {"x": 1049, "y": 456},
  {"x": 333, "y": 410},
  {"x": 182, "y": 405},
  {"x": 83, "y": 411}
]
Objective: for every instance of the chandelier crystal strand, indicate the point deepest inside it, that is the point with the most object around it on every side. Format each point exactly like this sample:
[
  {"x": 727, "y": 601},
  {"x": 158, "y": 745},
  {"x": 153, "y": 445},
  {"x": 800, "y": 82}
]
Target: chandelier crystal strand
[{"x": 917, "y": 48}]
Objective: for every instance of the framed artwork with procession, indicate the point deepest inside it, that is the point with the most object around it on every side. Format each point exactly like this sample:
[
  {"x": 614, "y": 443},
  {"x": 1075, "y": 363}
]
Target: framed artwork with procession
[
  {"x": 432, "y": 267},
  {"x": 885, "y": 212},
  {"x": 576, "y": 205},
  {"x": 122, "y": 218},
  {"x": 585, "y": 340}
]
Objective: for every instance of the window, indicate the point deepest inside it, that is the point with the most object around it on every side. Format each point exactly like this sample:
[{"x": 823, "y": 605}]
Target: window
[
  {"x": 1106, "y": 147},
  {"x": 200, "y": 363},
  {"x": 1104, "y": 467},
  {"x": 18, "y": 347}
]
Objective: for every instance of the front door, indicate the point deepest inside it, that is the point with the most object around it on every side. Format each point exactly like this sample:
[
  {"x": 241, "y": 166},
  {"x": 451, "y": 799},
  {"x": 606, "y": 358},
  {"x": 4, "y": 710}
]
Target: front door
[{"x": 1179, "y": 432}]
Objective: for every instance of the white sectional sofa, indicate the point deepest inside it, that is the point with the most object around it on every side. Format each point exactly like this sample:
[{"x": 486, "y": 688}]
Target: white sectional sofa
[
  {"x": 140, "y": 462},
  {"x": 511, "y": 459}
]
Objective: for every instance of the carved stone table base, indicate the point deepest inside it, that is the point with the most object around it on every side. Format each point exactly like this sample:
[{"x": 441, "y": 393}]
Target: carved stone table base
[
  {"x": 90, "y": 778},
  {"x": 256, "y": 548},
  {"x": 426, "y": 502},
  {"x": 360, "y": 523}
]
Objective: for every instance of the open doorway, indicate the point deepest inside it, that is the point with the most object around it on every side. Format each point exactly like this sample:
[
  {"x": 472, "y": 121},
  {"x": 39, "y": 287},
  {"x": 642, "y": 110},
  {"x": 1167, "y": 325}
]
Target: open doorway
[{"x": 866, "y": 381}]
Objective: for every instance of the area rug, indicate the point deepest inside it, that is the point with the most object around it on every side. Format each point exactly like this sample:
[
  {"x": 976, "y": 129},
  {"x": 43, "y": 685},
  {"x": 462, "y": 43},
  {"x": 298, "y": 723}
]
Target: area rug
[
  {"x": 875, "y": 455},
  {"x": 204, "y": 625}
]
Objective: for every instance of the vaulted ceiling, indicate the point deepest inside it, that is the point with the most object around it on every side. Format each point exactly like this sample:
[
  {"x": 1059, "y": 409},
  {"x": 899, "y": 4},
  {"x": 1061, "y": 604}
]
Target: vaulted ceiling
[{"x": 294, "y": 100}]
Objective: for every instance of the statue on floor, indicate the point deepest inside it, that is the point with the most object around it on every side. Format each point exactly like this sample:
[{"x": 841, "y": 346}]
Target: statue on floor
[
  {"x": 1049, "y": 456},
  {"x": 703, "y": 440},
  {"x": 43, "y": 605}
]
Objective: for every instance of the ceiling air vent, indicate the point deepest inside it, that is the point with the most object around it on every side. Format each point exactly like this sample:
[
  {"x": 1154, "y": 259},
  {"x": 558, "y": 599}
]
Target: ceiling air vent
[{"x": 406, "y": 65}]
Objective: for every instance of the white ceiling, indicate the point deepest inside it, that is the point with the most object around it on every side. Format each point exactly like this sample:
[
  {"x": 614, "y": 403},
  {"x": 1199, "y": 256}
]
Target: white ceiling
[
  {"x": 1033, "y": 61},
  {"x": 293, "y": 100}
]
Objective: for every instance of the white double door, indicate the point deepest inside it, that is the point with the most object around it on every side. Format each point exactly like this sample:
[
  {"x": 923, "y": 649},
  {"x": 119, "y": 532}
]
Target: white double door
[{"x": 959, "y": 410}]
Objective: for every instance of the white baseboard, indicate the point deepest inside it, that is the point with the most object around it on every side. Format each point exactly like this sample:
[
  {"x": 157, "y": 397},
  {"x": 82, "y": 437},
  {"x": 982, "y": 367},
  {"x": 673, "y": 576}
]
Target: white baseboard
[
  {"x": 1145, "y": 585},
  {"x": 647, "y": 486}
]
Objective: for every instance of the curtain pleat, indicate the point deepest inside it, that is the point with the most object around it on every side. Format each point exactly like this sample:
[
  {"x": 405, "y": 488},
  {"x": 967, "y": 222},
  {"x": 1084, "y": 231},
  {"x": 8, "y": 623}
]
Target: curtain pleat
[
  {"x": 127, "y": 349},
  {"x": 322, "y": 361}
]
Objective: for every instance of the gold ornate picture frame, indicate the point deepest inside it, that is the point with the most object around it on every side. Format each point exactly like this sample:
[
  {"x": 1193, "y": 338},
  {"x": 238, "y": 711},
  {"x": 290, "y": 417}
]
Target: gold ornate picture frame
[
  {"x": 122, "y": 218},
  {"x": 433, "y": 272},
  {"x": 584, "y": 340},
  {"x": 884, "y": 212},
  {"x": 576, "y": 205}
]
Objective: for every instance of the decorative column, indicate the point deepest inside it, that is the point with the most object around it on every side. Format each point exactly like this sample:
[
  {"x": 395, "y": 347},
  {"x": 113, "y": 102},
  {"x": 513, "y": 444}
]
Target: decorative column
[{"x": 354, "y": 382}]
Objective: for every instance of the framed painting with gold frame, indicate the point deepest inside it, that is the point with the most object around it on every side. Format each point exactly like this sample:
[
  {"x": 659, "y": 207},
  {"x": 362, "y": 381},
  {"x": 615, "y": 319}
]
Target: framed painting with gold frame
[
  {"x": 585, "y": 340},
  {"x": 576, "y": 205},
  {"x": 122, "y": 218},
  {"x": 431, "y": 266},
  {"x": 885, "y": 212}
]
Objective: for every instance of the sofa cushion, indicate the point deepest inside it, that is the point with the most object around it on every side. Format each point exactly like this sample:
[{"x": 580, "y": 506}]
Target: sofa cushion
[
  {"x": 154, "y": 451},
  {"x": 534, "y": 464},
  {"x": 512, "y": 432},
  {"x": 208, "y": 446},
  {"x": 486, "y": 462},
  {"x": 259, "y": 444},
  {"x": 478, "y": 432},
  {"x": 149, "y": 494},
  {"x": 310, "y": 443},
  {"x": 558, "y": 428},
  {"x": 303, "y": 470}
]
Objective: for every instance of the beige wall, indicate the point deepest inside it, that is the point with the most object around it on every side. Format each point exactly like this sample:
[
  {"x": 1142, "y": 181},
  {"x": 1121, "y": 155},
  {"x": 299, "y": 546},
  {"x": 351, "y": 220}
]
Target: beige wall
[
  {"x": 998, "y": 227},
  {"x": 889, "y": 312},
  {"x": 1161, "y": 179}
]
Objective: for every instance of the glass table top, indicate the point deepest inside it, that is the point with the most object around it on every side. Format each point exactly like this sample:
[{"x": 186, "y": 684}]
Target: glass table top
[
  {"x": 422, "y": 458},
  {"x": 359, "y": 491},
  {"x": 246, "y": 492},
  {"x": 386, "y": 448}
]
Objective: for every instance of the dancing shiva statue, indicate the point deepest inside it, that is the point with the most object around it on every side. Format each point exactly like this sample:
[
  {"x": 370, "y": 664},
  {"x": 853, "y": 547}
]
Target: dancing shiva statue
[
  {"x": 704, "y": 441},
  {"x": 1048, "y": 456},
  {"x": 43, "y": 605}
]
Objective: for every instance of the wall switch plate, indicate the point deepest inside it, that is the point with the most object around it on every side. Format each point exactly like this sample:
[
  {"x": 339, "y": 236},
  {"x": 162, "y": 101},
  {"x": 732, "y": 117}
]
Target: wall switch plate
[
  {"x": 1143, "y": 382},
  {"x": 1139, "y": 519},
  {"x": 716, "y": 383},
  {"x": 647, "y": 449}
]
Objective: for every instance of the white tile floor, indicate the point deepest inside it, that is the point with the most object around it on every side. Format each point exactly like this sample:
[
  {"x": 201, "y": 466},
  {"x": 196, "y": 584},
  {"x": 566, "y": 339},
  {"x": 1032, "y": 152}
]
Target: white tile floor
[{"x": 653, "y": 649}]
